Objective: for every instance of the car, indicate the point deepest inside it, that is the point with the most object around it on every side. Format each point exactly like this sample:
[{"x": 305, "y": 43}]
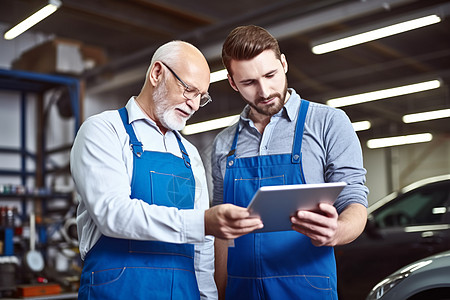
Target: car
[
  {"x": 401, "y": 228},
  {"x": 425, "y": 279}
]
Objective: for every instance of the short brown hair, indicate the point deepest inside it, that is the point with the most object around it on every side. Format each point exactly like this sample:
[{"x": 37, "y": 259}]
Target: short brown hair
[{"x": 246, "y": 42}]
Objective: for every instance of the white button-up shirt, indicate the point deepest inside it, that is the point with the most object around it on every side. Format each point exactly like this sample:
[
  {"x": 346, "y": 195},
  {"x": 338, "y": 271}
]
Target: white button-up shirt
[{"x": 102, "y": 169}]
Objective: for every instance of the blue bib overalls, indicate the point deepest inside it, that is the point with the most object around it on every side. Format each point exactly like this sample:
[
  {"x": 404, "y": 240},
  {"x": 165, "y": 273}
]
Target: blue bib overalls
[
  {"x": 276, "y": 265},
  {"x": 131, "y": 269}
]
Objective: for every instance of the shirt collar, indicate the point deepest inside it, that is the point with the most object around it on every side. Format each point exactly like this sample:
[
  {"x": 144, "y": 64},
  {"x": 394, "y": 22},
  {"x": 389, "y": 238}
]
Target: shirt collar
[
  {"x": 135, "y": 113},
  {"x": 289, "y": 109},
  {"x": 292, "y": 105}
]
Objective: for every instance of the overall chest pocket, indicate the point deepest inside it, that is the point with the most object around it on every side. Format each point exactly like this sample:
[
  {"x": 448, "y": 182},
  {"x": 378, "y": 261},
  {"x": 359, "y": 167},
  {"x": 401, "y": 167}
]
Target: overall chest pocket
[
  {"x": 245, "y": 188},
  {"x": 172, "y": 190}
]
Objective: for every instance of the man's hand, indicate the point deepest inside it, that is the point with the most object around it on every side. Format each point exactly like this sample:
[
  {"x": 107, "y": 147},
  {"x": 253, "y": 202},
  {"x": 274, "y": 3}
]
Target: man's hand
[
  {"x": 228, "y": 221},
  {"x": 320, "y": 225},
  {"x": 326, "y": 228}
]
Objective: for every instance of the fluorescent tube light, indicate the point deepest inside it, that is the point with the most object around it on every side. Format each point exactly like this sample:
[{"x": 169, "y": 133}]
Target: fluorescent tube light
[
  {"x": 382, "y": 94},
  {"x": 439, "y": 210},
  {"x": 210, "y": 125},
  {"x": 228, "y": 121},
  {"x": 32, "y": 20},
  {"x": 399, "y": 140},
  {"x": 361, "y": 125},
  {"x": 218, "y": 75},
  {"x": 425, "y": 116},
  {"x": 375, "y": 34}
]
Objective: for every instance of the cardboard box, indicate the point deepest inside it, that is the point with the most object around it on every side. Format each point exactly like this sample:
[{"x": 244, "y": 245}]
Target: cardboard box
[
  {"x": 60, "y": 56},
  {"x": 31, "y": 290}
]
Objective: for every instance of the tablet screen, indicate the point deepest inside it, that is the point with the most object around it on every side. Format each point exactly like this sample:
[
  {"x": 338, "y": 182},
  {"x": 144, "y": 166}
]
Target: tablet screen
[{"x": 276, "y": 204}]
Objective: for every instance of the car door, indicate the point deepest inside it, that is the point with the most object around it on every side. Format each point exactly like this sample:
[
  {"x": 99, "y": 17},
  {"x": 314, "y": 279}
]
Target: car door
[{"x": 412, "y": 226}]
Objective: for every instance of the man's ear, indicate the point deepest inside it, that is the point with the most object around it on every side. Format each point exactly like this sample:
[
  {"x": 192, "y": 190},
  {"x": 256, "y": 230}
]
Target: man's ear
[
  {"x": 284, "y": 63},
  {"x": 155, "y": 74},
  {"x": 231, "y": 81}
]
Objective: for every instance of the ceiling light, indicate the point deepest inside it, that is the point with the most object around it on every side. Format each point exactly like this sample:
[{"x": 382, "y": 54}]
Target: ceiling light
[
  {"x": 32, "y": 20},
  {"x": 399, "y": 140},
  {"x": 361, "y": 125},
  {"x": 439, "y": 210},
  {"x": 375, "y": 34},
  {"x": 426, "y": 116},
  {"x": 382, "y": 94},
  {"x": 218, "y": 75},
  {"x": 210, "y": 125},
  {"x": 228, "y": 121}
]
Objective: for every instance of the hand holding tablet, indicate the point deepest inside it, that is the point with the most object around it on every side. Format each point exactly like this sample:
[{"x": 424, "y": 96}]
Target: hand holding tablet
[{"x": 276, "y": 204}]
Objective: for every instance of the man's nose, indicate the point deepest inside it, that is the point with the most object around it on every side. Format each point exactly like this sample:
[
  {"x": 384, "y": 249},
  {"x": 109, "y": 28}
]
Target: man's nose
[
  {"x": 264, "y": 90},
  {"x": 194, "y": 103}
]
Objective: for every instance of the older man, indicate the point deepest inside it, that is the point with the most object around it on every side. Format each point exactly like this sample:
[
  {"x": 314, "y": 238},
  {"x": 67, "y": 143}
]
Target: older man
[{"x": 144, "y": 200}]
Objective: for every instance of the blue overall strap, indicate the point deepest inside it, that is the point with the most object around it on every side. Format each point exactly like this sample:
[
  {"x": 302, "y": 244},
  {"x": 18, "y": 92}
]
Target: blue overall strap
[
  {"x": 232, "y": 154},
  {"x": 135, "y": 144},
  {"x": 297, "y": 146},
  {"x": 187, "y": 160}
]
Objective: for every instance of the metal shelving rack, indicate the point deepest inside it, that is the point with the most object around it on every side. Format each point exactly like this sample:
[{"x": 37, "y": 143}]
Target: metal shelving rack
[{"x": 27, "y": 83}]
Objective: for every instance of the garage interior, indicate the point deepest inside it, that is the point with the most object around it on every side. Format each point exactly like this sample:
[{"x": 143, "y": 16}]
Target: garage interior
[{"x": 90, "y": 56}]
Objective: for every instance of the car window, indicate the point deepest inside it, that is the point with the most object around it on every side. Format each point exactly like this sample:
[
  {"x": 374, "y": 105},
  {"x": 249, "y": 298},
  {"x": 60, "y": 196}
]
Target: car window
[{"x": 426, "y": 205}]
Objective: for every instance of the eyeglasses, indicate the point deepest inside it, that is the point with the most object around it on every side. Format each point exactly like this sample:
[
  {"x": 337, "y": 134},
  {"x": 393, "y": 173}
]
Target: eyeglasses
[{"x": 191, "y": 93}]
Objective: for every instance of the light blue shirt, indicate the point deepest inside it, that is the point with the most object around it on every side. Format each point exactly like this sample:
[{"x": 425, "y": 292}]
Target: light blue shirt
[
  {"x": 331, "y": 151},
  {"x": 102, "y": 169}
]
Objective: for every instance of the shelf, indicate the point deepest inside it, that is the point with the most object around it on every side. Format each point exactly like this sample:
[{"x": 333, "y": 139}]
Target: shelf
[
  {"x": 37, "y": 84},
  {"x": 25, "y": 82},
  {"x": 54, "y": 297},
  {"x": 42, "y": 196},
  {"x": 31, "y": 82}
]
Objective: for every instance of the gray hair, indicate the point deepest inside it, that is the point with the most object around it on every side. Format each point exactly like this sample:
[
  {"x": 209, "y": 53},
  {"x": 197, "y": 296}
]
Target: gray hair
[{"x": 168, "y": 53}]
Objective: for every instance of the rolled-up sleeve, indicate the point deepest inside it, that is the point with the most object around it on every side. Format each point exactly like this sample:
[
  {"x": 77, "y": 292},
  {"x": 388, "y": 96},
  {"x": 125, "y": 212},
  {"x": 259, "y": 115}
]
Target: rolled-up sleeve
[{"x": 344, "y": 161}]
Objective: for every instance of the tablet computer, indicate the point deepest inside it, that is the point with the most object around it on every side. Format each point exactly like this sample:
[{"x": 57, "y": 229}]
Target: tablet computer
[{"x": 276, "y": 204}]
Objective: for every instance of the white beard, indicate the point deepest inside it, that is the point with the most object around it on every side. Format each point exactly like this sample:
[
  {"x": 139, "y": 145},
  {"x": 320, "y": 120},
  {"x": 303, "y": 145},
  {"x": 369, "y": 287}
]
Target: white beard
[
  {"x": 166, "y": 113},
  {"x": 170, "y": 120}
]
